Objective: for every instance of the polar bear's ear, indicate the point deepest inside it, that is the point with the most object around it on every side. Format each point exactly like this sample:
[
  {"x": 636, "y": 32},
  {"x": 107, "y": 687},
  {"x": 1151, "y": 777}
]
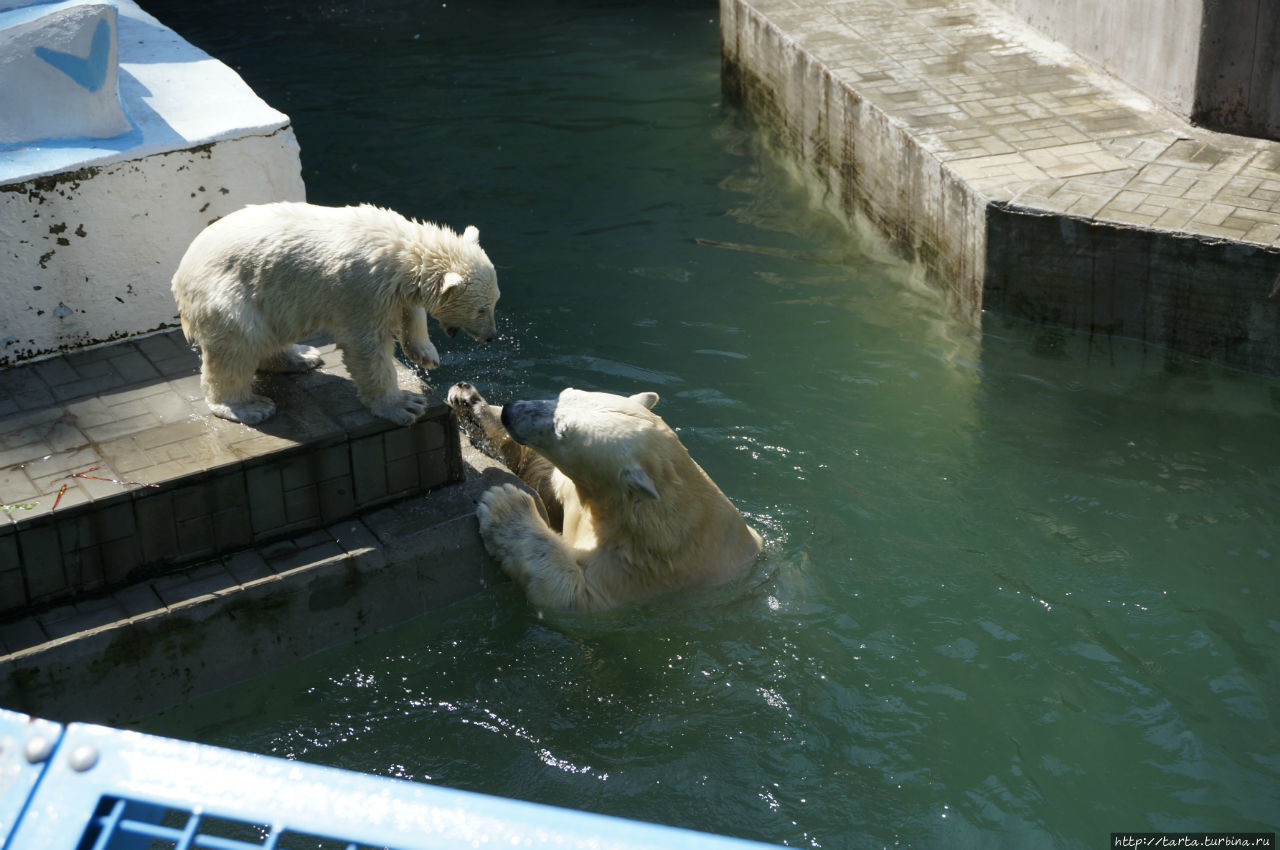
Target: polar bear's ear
[
  {"x": 451, "y": 279},
  {"x": 471, "y": 234},
  {"x": 647, "y": 399},
  {"x": 639, "y": 483}
]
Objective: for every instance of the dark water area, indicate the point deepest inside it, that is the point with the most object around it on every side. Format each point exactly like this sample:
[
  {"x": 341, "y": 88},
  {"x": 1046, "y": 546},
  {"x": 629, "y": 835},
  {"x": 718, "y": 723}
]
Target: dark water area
[{"x": 1020, "y": 587}]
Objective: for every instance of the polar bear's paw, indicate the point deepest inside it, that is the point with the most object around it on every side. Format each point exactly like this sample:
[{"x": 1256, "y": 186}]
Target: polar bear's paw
[
  {"x": 401, "y": 407},
  {"x": 249, "y": 411},
  {"x": 474, "y": 414},
  {"x": 292, "y": 358},
  {"x": 421, "y": 352},
  {"x": 507, "y": 515},
  {"x": 506, "y": 504},
  {"x": 463, "y": 395}
]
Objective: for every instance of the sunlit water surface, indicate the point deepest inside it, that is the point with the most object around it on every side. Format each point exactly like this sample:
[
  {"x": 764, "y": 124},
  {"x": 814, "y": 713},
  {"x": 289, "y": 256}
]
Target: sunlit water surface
[{"x": 1020, "y": 587}]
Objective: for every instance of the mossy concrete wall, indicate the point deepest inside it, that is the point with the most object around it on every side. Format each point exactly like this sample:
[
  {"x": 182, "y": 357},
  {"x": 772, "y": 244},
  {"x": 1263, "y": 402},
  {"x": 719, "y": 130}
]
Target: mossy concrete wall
[{"x": 249, "y": 614}]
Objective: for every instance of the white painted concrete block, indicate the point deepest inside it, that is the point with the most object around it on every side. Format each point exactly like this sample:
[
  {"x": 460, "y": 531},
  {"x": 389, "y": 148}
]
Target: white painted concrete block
[
  {"x": 91, "y": 229},
  {"x": 58, "y": 73}
]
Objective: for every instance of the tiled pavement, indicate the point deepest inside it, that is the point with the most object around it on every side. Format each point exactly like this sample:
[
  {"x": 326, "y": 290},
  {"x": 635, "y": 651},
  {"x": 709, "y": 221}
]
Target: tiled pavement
[
  {"x": 112, "y": 468},
  {"x": 1023, "y": 122},
  {"x": 1025, "y": 182}
]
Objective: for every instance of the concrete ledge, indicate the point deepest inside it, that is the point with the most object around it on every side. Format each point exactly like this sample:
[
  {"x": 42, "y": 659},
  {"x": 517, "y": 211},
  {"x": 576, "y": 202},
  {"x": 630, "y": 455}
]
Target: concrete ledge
[
  {"x": 113, "y": 470},
  {"x": 154, "y": 644},
  {"x": 1020, "y": 179}
]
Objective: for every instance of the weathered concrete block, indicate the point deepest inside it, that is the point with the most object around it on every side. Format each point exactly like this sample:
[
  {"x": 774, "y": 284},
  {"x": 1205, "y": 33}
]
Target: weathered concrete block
[
  {"x": 95, "y": 227},
  {"x": 58, "y": 73}
]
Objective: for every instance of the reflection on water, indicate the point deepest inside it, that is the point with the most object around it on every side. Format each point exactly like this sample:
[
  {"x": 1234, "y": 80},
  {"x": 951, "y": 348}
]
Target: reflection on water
[{"x": 1019, "y": 587}]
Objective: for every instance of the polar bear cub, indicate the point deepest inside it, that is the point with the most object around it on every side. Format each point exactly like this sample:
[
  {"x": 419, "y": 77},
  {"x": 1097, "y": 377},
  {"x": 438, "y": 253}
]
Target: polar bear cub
[
  {"x": 640, "y": 517},
  {"x": 253, "y": 283}
]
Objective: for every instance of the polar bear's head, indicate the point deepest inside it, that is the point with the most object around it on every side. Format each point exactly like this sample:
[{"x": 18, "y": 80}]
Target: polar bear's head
[
  {"x": 602, "y": 442},
  {"x": 468, "y": 289}
]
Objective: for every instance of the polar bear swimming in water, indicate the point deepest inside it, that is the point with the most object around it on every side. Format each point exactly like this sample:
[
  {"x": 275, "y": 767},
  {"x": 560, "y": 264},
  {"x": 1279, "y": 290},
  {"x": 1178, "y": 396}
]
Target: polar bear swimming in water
[{"x": 640, "y": 517}]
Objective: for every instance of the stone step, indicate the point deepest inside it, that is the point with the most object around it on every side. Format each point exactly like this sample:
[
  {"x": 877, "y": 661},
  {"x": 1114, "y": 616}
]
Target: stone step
[{"x": 113, "y": 470}]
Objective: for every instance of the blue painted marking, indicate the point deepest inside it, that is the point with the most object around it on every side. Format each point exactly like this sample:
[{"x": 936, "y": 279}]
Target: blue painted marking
[{"x": 91, "y": 71}]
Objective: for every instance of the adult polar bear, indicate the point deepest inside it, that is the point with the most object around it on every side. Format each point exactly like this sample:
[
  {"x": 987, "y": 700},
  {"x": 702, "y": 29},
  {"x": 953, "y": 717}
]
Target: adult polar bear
[
  {"x": 253, "y": 283},
  {"x": 640, "y": 517}
]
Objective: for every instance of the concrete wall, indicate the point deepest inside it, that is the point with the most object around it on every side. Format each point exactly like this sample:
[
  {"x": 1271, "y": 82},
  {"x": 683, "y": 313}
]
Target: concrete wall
[
  {"x": 156, "y": 644},
  {"x": 874, "y": 173},
  {"x": 1238, "y": 89},
  {"x": 88, "y": 254},
  {"x": 1213, "y": 62},
  {"x": 95, "y": 214}
]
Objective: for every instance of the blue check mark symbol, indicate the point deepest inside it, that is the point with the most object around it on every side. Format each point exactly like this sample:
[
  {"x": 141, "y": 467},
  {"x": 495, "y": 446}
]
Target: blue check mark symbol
[{"x": 89, "y": 72}]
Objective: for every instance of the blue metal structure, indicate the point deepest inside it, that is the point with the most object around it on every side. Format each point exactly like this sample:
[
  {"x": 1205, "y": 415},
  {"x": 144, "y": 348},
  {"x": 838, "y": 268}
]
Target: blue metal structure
[{"x": 86, "y": 787}]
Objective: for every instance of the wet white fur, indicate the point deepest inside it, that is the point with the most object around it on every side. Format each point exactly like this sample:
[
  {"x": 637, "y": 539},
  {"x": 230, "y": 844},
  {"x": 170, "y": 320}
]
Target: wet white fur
[{"x": 253, "y": 283}]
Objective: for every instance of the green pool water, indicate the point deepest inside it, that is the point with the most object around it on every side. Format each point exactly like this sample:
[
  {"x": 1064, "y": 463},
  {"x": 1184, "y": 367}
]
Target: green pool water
[{"x": 1020, "y": 587}]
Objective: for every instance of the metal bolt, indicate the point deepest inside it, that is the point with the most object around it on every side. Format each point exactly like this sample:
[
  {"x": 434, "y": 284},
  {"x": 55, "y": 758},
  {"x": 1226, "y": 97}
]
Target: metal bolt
[
  {"x": 83, "y": 758},
  {"x": 37, "y": 749}
]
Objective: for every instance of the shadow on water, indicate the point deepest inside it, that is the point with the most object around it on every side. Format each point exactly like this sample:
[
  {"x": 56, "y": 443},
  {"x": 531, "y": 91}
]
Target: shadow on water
[{"x": 1018, "y": 588}]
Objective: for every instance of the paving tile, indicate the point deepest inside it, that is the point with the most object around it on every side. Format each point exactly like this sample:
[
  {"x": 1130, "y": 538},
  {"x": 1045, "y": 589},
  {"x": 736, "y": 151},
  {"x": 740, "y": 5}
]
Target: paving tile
[
  {"x": 234, "y": 483},
  {"x": 266, "y": 498},
  {"x": 1074, "y": 160},
  {"x": 16, "y": 486},
  {"x": 247, "y": 566},
  {"x": 302, "y": 505},
  {"x": 164, "y": 345},
  {"x": 124, "y": 455},
  {"x": 42, "y": 559},
  {"x": 399, "y": 443},
  {"x": 333, "y": 461},
  {"x": 232, "y": 528},
  {"x": 138, "y": 600},
  {"x": 28, "y": 427},
  {"x": 55, "y": 371},
  {"x": 337, "y": 497},
  {"x": 116, "y": 428},
  {"x": 403, "y": 476},
  {"x": 19, "y": 379},
  {"x": 434, "y": 469},
  {"x": 81, "y": 617},
  {"x": 369, "y": 469},
  {"x": 196, "y": 538},
  {"x": 85, "y": 387},
  {"x": 13, "y": 588},
  {"x": 33, "y": 398},
  {"x": 199, "y": 453},
  {"x": 353, "y": 535},
  {"x": 157, "y": 529},
  {"x": 21, "y": 634},
  {"x": 180, "y": 587},
  {"x": 305, "y": 557}
]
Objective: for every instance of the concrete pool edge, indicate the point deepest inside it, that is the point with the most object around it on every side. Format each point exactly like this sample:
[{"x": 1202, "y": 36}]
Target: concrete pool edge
[
  {"x": 1022, "y": 181},
  {"x": 248, "y": 614}
]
